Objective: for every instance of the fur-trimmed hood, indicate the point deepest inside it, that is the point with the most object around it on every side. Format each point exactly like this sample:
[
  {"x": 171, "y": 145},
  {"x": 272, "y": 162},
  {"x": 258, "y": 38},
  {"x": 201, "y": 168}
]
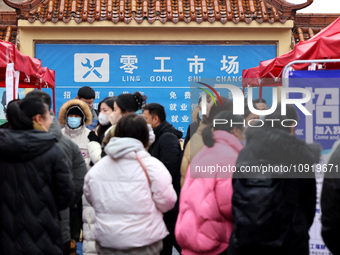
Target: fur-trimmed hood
[{"x": 75, "y": 102}]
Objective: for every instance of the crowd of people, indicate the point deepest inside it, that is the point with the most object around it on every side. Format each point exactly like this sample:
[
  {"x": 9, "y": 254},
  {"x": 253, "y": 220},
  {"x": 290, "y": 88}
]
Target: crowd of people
[{"x": 122, "y": 183}]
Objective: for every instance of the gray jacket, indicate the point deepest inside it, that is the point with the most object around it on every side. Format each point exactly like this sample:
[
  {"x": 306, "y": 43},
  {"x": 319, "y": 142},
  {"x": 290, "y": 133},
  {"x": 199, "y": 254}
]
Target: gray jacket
[{"x": 76, "y": 163}]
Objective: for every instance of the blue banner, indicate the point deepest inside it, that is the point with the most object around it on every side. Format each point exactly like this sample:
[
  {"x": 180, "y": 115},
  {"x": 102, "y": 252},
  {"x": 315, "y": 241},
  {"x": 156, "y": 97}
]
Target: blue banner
[
  {"x": 323, "y": 126},
  {"x": 162, "y": 72}
]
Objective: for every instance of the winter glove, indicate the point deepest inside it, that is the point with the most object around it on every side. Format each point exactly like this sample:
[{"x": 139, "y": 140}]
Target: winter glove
[{"x": 93, "y": 137}]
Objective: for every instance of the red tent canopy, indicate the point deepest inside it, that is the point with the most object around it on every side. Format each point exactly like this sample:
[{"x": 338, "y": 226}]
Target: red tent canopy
[
  {"x": 324, "y": 45},
  {"x": 32, "y": 74}
]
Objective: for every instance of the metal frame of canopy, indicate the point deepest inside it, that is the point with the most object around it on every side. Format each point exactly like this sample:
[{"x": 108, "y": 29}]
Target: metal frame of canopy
[{"x": 32, "y": 74}]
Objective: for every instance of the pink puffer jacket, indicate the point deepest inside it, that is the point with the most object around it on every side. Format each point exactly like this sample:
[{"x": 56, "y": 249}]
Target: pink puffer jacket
[{"x": 204, "y": 223}]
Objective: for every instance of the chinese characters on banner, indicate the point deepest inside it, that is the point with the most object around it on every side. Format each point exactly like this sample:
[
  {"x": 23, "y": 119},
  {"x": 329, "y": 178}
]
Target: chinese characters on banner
[
  {"x": 162, "y": 72},
  {"x": 322, "y": 127}
]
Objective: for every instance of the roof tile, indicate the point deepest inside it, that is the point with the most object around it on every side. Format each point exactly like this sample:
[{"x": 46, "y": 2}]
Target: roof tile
[
  {"x": 8, "y": 33},
  {"x": 8, "y": 27},
  {"x": 151, "y": 10},
  {"x": 308, "y": 25},
  {"x": 223, "y": 11}
]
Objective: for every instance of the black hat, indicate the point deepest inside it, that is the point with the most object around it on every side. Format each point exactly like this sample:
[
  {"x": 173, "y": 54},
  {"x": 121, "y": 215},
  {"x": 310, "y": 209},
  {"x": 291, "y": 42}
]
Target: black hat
[{"x": 75, "y": 110}]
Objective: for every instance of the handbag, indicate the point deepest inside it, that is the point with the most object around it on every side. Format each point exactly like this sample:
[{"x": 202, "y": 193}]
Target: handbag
[{"x": 144, "y": 169}]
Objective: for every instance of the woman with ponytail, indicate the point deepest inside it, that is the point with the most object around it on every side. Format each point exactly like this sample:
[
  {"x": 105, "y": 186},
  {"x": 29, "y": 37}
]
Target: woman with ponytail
[
  {"x": 35, "y": 181},
  {"x": 196, "y": 143},
  {"x": 123, "y": 105},
  {"x": 204, "y": 223}
]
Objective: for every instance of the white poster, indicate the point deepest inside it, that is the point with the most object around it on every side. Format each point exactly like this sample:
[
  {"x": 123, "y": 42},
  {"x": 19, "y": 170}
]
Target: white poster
[{"x": 10, "y": 88}]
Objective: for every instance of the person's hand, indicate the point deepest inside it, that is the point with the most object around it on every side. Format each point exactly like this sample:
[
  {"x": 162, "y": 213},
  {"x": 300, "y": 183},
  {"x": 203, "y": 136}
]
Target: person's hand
[{"x": 93, "y": 137}]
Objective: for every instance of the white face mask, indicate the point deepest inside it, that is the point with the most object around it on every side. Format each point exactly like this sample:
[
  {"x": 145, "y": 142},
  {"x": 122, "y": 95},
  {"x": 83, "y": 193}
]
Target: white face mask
[{"x": 104, "y": 119}]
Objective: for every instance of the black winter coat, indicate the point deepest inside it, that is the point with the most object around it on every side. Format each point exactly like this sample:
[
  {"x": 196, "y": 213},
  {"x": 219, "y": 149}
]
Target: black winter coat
[
  {"x": 168, "y": 150},
  {"x": 296, "y": 204},
  {"x": 330, "y": 202},
  {"x": 35, "y": 184}
]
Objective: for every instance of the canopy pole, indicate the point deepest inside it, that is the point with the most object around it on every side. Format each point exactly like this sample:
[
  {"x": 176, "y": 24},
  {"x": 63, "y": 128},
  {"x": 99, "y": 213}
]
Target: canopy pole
[{"x": 53, "y": 91}]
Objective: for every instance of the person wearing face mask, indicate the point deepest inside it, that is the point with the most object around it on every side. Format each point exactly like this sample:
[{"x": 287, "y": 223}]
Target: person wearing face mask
[
  {"x": 74, "y": 115},
  {"x": 94, "y": 149},
  {"x": 97, "y": 135},
  {"x": 204, "y": 224},
  {"x": 35, "y": 181},
  {"x": 123, "y": 105}
]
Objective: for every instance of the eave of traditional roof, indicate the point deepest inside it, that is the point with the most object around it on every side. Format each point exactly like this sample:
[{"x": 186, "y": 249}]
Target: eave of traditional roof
[
  {"x": 236, "y": 11},
  {"x": 309, "y": 24},
  {"x": 8, "y": 33},
  {"x": 288, "y": 9},
  {"x": 162, "y": 10},
  {"x": 25, "y": 5},
  {"x": 8, "y": 27}
]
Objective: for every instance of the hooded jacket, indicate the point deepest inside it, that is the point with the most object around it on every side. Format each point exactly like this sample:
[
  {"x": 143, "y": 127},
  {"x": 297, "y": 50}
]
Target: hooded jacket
[
  {"x": 78, "y": 135},
  {"x": 75, "y": 162},
  {"x": 168, "y": 150},
  {"x": 204, "y": 223},
  {"x": 35, "y": 183},
  {"x": 296, "y": 203},
  {"x": 89, "y": 217},
  {"x": 129, "y": 213}
]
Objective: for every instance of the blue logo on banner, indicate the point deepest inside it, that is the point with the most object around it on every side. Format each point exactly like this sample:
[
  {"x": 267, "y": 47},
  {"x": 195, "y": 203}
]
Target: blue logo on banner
[{"x": 97, "y": 63}]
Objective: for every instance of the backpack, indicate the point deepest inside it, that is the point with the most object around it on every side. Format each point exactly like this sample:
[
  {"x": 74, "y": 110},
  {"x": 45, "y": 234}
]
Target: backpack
[{"x": 264, "y": 210}]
